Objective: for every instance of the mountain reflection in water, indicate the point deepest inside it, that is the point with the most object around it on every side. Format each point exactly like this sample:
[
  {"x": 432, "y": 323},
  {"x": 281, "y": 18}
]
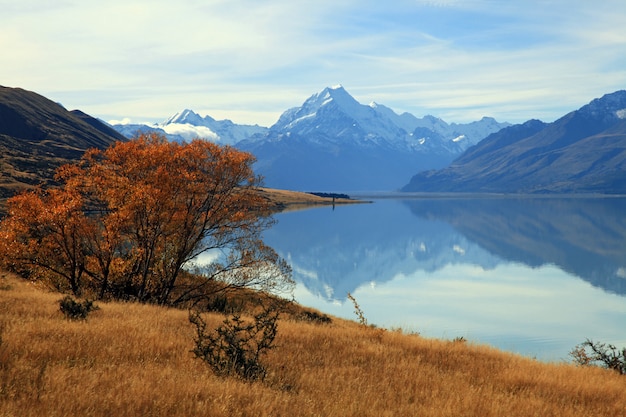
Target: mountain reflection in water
[{"x": 496, "y": 270}]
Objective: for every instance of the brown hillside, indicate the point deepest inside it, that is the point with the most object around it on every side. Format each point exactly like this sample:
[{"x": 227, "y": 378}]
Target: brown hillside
[
  {"x": 286, "y": 200},
  {"x": 38, "y": 135},
  {"x": 130, "y": 359}
]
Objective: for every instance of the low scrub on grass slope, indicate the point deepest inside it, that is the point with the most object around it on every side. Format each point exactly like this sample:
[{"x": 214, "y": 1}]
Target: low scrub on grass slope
[{"x": 130, "y": 359}]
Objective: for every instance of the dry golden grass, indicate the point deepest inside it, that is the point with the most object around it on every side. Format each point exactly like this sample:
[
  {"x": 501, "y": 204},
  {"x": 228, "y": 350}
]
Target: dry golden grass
[
  {"x": 135, "y": 360},
  {"x": 286, "y": 200}
]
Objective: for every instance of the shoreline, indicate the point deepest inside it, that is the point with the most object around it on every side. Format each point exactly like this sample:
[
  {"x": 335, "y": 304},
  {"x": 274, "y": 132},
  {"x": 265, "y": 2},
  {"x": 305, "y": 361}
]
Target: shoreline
[{"x": 287, "y": 200}]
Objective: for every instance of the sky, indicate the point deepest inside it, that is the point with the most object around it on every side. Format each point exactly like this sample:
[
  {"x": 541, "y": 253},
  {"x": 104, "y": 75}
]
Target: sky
[{"x": 250, "y": 60}]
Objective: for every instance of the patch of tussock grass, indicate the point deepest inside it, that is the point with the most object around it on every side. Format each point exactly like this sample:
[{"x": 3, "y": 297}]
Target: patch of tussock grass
[{"x": 135, "y": 360}]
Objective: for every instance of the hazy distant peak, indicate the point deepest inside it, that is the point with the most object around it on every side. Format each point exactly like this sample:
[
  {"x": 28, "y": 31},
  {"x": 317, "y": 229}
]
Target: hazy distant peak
[
  {"x": 432, "y": 118},
  {"x": 336, "y": 96},
  {"x": 339, "y": 95},
  {"x": 186, "y": 116},
  {"x": 608, "y": 104}
]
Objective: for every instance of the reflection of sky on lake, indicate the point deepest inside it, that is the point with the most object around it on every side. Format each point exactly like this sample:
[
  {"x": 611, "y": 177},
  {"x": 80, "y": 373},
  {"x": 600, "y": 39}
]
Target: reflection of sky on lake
[
  {"x": 540, "y": 312},
  {"x": 531, "y": 276}
]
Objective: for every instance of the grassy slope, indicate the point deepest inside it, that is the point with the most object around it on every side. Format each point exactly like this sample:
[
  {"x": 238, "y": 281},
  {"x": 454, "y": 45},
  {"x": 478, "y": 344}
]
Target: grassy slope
[
  {"x": 285, "y": 200},
  {"x": 134, "y": 360}
]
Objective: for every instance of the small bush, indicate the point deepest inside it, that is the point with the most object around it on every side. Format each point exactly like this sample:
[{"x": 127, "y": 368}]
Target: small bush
[
  {"x": 236, "y": 346},
  {"x": 75, "y": 310},
  {"x": 3, "y": 285},
  {"x": 357, "y": 310},
  {"x": 605, "y": 355},
  {"x": 315, "y": 317},
  {"x": 222, "y": 304}
]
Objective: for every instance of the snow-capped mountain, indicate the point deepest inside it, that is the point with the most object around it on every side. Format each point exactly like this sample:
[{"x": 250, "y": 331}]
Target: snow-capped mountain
[
  {"x": 187, "y": 125},
  {"x": 343, "y": 118},
  {"x": 332, "y": 142},
  {"x": 378, "y": 122}
]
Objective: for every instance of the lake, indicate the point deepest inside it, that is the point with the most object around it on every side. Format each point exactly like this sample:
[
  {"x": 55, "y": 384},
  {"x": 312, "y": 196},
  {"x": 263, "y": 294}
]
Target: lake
[{"x": 535, "y": 276}]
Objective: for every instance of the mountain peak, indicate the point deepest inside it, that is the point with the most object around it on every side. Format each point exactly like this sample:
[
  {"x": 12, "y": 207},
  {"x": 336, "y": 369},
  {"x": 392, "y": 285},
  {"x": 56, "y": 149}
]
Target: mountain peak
[
  {"x": 609, "y": 105},
  {"x": 186, "y": 116},
  {"x": 336, "y": 96},
  {"x": 336, "y": 93}
]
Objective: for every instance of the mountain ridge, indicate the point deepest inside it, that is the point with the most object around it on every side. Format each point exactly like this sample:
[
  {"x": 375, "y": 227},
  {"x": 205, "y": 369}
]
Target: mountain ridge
[
  {"x": 186, "y": 125},
  {"x": 334, "y": 143},
  {"x": 38, "y": 135},
  {"x": 584, "y": 151}
]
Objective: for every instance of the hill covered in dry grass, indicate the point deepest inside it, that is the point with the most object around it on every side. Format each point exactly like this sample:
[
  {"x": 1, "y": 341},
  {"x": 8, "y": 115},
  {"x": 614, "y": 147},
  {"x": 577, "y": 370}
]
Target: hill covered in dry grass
[
  {"x": 134, "y": 360},
  {"x": 287, "y": 200},
  {"x": 38, "y": 135}
]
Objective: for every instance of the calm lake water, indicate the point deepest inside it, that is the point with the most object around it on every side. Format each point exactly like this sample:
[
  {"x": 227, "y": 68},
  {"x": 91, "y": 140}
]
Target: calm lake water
[{"x": 534, "y": 276}]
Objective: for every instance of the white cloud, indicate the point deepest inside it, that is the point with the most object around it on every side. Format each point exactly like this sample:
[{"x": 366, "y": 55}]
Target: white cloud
[
  {"x": 190, "y": 132},
  {"x": 124, "y": 121},
  {"x": 457, "y": 59}
]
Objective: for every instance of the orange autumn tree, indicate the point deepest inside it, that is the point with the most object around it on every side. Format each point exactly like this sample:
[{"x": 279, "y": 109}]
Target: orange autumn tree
[{"x": 128, "y": 222}]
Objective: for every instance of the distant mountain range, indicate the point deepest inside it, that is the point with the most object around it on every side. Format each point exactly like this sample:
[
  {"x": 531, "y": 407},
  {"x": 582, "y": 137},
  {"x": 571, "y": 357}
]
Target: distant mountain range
[
  {"x": 187, "y": 125},
  {"x": 582, "y": 152},
  {"x": 38, "y": 135},
  {"x": 334, "y": 143}
]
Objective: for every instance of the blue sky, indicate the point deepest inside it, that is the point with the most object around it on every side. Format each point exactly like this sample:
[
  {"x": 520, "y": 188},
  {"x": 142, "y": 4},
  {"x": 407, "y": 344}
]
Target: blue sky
[{"x": 249, "y": 60}]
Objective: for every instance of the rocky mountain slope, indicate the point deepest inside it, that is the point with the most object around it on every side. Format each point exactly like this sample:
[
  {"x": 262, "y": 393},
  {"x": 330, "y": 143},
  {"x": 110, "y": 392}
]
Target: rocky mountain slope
[
  {"x": 38, "y": 135},
  {"x": 582, "y": 152}
]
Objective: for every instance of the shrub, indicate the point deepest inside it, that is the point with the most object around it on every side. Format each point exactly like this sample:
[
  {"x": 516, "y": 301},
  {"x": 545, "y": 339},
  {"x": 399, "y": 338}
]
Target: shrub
[
  {"x": 315, "y": 317},
  {"x": 235, "y": 347},
  {"x": 607, "y": 356},
  {"x": 220, "y": 303},
  {"x": 126, "y": 222},
  {"x": 357, "y": 310},
  {"x": 75, "y": 310}
]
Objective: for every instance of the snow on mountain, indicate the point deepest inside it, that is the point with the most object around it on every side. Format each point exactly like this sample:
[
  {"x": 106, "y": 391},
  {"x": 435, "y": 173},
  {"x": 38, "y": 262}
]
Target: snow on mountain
[
  {"x": 342, "y": 114},
  {"x": 333, "y": 142},
  {"x": 188, "y": 117},
  {"x": 131, "y": 130},
  {"x": 188, "y": 125}
]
